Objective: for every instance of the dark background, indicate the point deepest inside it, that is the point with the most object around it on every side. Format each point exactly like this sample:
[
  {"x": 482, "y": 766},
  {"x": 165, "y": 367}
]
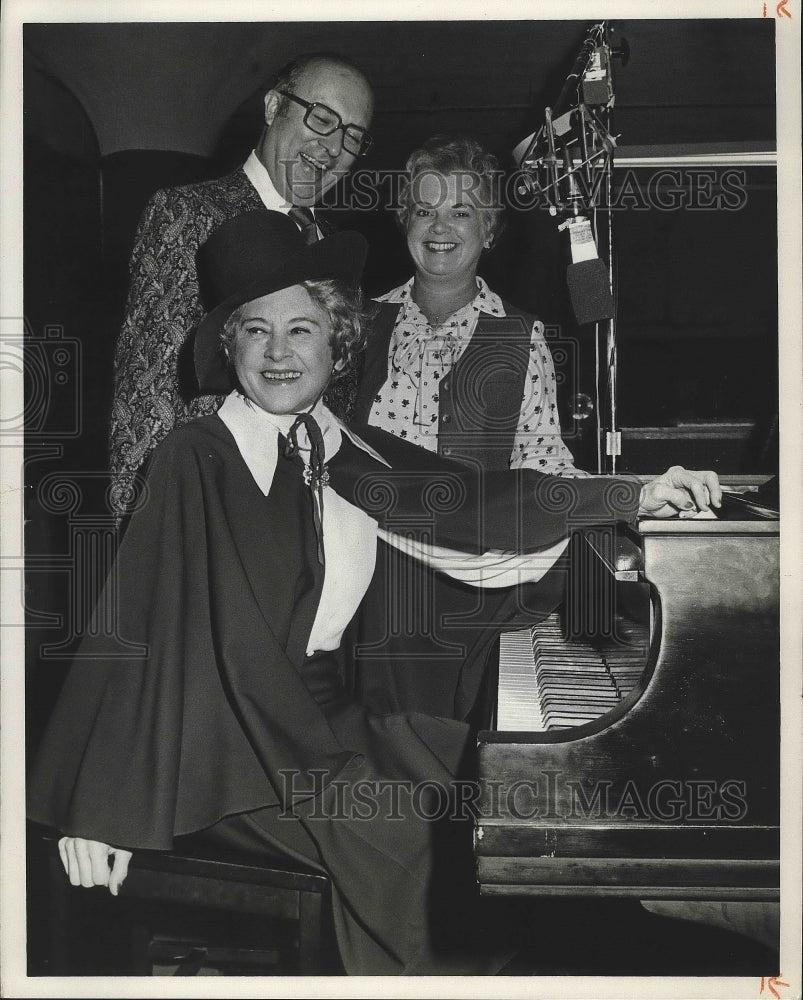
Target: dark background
[{"x": 114, "y": 111}]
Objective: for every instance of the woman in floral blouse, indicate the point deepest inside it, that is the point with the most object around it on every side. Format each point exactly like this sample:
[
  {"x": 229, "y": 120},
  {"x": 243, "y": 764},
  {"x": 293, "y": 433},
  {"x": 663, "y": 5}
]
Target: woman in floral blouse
[{"x": 450, "y": 366}]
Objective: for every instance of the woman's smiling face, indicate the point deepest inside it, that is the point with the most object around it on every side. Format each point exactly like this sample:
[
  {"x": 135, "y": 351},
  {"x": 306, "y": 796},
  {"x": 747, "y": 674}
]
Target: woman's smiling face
[
  {"x": 282, "y": 351},
  {"x": 446, "y": 226}
]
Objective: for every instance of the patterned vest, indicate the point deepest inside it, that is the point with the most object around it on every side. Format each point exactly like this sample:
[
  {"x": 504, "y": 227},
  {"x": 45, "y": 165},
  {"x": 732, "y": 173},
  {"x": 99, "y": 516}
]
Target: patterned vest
[{"x": 480, "y": 398}]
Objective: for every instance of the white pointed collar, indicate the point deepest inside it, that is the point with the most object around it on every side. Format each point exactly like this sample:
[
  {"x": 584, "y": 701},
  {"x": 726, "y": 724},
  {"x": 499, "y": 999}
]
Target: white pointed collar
[
  {"x": 254, "y": 431},
  {"x": 257, "y": 173}
]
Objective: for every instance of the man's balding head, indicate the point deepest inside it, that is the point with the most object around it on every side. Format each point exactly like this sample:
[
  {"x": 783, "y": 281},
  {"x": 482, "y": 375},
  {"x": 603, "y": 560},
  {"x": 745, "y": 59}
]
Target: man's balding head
[{"x": 302, "y": 163}]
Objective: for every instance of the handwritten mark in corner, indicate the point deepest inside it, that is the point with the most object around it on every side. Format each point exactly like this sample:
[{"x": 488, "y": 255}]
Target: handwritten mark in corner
[
  {"x": 780, "y": 9},
  {"x": 770, "y": 982}
]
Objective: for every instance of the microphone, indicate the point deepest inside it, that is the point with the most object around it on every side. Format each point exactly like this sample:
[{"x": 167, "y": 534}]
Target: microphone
[
  {"x": 561, "y": 159},
  {"x": 588, "y": 86},
  {"x": 597, "y": 84},
  {"x": 586, "y": 276}
]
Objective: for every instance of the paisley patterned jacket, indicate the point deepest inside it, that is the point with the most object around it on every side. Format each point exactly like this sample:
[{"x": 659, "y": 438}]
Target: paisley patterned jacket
[{"x": 154, "y": 378}]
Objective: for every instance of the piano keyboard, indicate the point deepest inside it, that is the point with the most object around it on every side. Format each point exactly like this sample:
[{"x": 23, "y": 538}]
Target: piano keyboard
[
  {"x": 548, "y": 682},
  {"x": 517, "y": 704}
]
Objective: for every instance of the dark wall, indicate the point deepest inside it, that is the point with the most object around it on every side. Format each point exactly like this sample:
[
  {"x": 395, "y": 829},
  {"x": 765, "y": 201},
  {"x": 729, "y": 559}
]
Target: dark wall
[
  {"x": 685, "y": 278},
  {"x": 66, "y": 383},
  {"x": 697, "y": 290}
]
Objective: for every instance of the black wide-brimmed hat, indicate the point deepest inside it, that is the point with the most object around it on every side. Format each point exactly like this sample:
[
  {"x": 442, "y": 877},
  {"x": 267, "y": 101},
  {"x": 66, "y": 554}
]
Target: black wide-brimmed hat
[{"x": 253, "y": 255}]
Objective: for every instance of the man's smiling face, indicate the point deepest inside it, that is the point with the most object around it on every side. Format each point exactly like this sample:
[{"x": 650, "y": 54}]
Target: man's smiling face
[{"x": 302, "y": 164}]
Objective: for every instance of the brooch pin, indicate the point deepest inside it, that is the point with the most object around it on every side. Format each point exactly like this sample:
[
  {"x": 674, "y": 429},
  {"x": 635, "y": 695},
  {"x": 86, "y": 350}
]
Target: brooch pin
[{"x": 316, "y": 481}]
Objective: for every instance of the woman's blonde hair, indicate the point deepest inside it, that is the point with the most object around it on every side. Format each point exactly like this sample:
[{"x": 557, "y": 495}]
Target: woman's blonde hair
[{"x": 461, "y": 155}]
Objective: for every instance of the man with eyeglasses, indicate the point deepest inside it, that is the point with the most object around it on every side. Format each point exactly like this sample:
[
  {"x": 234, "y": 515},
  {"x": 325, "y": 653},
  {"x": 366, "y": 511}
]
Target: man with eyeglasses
[{"x": 316, "y": 118}]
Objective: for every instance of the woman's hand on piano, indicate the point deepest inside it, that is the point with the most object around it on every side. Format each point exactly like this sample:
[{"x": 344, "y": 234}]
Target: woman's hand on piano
[
  {"x": 677, "y": 490},
  {"x": 87, "y": 863}
]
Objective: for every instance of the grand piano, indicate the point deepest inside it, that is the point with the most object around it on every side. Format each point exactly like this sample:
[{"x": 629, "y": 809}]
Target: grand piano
[{"x": 635, "y": 745}]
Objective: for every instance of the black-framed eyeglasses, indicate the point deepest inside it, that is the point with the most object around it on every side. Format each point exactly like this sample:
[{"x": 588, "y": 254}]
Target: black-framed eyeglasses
[{"x": 324, "y": 121}]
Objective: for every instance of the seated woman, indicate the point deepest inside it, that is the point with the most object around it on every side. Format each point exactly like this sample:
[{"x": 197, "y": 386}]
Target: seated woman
[
  {"x": 217, "y": 709},
  {"x": 449, "y": 365}
]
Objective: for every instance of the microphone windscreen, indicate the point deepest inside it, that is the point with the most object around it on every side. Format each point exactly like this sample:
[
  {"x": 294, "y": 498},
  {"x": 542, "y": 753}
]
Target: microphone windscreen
[{"x": 590, "y": 291}]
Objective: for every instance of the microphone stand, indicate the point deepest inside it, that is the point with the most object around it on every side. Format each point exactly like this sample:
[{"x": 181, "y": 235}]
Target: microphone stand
[
  {"x": 571, "y": 188},
  {"x": 607, "y": 371},
  {"x": 595, "y": 37},
  {"x": 602, "y": 132},
  {"x": 613, "y": 437}
]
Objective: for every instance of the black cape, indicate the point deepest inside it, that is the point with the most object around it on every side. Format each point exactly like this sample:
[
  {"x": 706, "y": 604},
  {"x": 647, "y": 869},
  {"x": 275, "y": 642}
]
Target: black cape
[{"x": 218, "y": 586}]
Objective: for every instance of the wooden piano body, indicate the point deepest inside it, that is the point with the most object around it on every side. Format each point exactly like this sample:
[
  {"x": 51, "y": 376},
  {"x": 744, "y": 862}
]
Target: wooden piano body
[{"x": 672, "y": 793}]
